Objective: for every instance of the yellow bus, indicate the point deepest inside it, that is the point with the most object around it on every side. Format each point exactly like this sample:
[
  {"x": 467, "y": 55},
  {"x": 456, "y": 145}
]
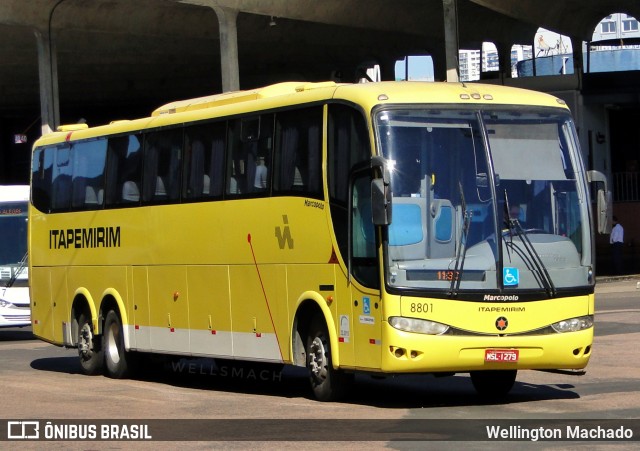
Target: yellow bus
[{"x": 381, "y": 228}]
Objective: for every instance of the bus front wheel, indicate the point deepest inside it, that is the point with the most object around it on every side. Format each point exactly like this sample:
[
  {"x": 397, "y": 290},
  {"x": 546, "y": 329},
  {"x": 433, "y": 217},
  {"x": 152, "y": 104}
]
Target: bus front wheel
[
  {"x": 327, "y": 383},
  {"x": 89, "y": 346},
  {"x": 115, "y": 356},
  {"x": 493, "y": 382}
]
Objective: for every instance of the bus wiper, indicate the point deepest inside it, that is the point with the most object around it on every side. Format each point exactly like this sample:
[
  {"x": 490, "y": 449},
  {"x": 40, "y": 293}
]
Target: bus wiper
[
  {"x": 16, "y": 272},
  {"x": 462, "y": 249},
  {"x": 540, "y": 268}
]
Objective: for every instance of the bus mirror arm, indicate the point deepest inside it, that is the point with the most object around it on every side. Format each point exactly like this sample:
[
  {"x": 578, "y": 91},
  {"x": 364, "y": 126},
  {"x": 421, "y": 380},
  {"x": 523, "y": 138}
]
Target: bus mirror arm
[
  {"x": 604, "y": 212},
  {"x": 380, "y": 192}
]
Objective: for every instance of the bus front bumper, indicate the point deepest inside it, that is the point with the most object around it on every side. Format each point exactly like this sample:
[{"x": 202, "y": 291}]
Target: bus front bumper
[{"x": 406, "y": 352}]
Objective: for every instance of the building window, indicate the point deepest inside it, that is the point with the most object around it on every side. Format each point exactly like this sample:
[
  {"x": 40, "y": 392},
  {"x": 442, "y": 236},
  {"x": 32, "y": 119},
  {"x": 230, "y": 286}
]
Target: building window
[
  {"x": 630, "y": 25},
  {"x": 608, "y": 27}
]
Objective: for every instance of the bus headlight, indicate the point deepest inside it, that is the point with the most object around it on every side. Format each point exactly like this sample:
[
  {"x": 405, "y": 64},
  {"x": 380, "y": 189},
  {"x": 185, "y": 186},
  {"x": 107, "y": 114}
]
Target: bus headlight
[
  {"x": 420, "y": 326},
  {"x": 573, "y": 324}
]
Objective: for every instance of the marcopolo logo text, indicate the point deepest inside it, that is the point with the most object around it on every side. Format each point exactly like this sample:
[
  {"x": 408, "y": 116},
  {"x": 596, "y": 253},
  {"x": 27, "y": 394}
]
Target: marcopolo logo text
[{"x": 501, "y": 297}]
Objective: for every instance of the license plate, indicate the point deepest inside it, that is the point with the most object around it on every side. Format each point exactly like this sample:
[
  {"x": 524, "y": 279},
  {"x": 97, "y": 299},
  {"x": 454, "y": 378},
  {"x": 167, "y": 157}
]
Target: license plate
[{"x": 501, "y": 355}]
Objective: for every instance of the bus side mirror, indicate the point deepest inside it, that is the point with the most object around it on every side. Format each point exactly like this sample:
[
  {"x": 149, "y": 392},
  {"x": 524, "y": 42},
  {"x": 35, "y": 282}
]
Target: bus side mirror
[
  {"x": 380, "y": 202},
  {"x": 381, "y": 192},
  {"x": 605, "y": 213},
  {"x": 604, "y": 204}
]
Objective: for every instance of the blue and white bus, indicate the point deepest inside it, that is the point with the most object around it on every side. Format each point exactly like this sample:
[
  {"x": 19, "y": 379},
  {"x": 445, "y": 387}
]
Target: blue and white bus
[{"x": 14, "y": 269}]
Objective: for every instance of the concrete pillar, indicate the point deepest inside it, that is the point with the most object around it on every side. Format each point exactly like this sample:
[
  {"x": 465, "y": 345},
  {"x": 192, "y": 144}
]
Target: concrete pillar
[
  {"x": 48, "y": 75},
  {"x": 504, "y": 59},
  {"x": 578, "y": 59},
  {"x": 388, "y": 69},
  {"x": 451, "y": 45},
  {"x": 227, "y": 20}
]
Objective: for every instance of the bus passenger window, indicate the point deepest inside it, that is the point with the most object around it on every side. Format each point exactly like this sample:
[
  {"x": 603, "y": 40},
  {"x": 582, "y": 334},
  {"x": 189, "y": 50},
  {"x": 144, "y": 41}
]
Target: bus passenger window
[
  {"x": 162, "y": 163},
  {"x": 41, "y": 178},
  {"x": 62, "y": 171},
  {"x": 203, "y": 170},
  {"x": 250, "y": 148},
  {"x": 298, "y": 152},
  {"x": 88, "y": 173},
  {"x": 124, "y": 164}
]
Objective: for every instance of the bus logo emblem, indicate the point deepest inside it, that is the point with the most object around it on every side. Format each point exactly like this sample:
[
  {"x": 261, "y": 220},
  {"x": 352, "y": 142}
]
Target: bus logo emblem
[
  {"x": 284, "y": 238},
  {"x": 502, "y": 323}
]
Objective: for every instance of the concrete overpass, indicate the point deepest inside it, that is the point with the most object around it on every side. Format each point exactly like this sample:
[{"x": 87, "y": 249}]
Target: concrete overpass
[{"x": 107, "y": 59}]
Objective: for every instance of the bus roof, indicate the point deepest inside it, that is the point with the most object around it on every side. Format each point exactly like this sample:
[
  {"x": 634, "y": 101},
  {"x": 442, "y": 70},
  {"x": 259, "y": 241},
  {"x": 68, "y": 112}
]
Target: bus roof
[
  {"x": 367, "y": 95},
  {"x": 14, "y": 193}
]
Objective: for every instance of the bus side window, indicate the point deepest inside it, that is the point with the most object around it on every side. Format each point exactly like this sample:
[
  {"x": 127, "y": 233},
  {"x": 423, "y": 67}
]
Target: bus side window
[
  {"x": 215, "y": 161},
  {"x": 347, "y": 145},
  {"x": 123, "y": 165},
  {"x": 61, "y": 190},
  {"x": 162, "y": 163},
  {"x": 203, "y": 175},
  {"x": 235, "y": 165},
  {"x": 250, "y": 149},
  {"x": 41, "y": 178},
  {"x": 298, "y": 152},
  {"x": 88, "y": 174}
]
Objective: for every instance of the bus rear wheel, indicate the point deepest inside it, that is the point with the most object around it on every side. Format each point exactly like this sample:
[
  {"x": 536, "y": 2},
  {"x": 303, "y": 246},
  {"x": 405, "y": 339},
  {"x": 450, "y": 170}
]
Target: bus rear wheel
[
  {"x": 116, "y": 359},
  {"x": 493, "y": 383},
  {"x": 89, "y": 346},
  {"x": 327, "y": 383}
]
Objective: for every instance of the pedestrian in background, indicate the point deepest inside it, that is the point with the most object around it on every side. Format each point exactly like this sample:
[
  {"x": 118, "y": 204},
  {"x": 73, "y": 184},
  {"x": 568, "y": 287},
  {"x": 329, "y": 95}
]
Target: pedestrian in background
[{"x": 616, "y": 239}]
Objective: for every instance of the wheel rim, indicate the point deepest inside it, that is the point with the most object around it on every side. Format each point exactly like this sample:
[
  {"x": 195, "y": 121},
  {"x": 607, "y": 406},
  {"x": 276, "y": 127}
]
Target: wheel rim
[
  {"x": 85, "y": 342},
  {"x": 318, "y": 359},
  {"x": 112, "y": 344}
]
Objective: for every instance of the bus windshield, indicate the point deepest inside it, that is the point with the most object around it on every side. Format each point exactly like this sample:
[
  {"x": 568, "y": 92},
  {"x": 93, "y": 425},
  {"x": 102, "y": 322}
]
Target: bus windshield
[
  {"x": 484, "y": 200},
  {"x": 13, "y": 232}
]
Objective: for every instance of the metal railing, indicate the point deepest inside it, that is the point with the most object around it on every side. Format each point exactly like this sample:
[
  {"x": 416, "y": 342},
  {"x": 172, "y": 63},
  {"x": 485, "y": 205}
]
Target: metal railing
[{"x": 626, "y": 186}]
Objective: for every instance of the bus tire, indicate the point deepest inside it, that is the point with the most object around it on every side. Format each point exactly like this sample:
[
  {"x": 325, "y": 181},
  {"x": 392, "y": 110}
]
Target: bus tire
[
  {"x": 89, "y": 346},
  {"x": 327, "y": 383},
  {"x": 116, "y": 359},
  {"x": 493, "y": 383}
]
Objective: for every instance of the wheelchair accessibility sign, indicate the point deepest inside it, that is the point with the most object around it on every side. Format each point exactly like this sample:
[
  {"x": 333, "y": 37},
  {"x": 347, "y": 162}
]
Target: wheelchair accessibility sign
[{"x": 510, "y": 277}]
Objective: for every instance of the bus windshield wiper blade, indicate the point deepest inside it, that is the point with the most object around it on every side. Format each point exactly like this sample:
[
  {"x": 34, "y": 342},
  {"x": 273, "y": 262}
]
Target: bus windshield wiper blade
[
  {"x": 17, "y": 270},
  {"x": 462, "y": 248},
  {"x": 537, "y": 261},
  {"x": 541, "y": 269}
]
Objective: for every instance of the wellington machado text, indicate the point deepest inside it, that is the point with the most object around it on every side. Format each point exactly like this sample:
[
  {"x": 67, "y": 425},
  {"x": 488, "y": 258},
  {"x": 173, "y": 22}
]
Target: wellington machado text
[{"x": 569, "y": 432}]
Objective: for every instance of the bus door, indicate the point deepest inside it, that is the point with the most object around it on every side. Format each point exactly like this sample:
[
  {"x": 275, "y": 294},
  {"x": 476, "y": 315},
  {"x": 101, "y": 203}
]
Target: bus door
[{"x": 364, "y": 274}]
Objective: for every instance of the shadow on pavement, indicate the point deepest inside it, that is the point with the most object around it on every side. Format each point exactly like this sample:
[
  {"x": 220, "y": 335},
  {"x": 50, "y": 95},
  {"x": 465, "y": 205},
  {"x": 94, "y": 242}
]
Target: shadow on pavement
[
  {"x": 16, "y": 334},
  {"x": 401, "y": 392}
]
